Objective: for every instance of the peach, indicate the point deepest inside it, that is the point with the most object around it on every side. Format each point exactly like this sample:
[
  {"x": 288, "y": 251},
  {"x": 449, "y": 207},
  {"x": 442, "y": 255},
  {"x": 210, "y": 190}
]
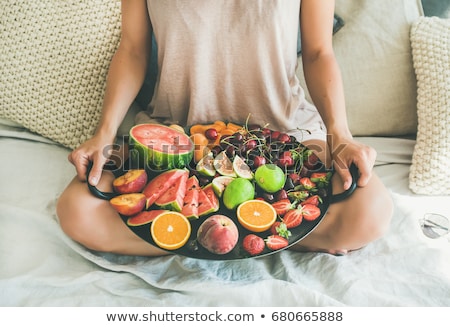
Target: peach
[
  {"x": 218, "y": 234},
  {"x": 133, "y": 181},
  {"x": 129, "y": 204}
]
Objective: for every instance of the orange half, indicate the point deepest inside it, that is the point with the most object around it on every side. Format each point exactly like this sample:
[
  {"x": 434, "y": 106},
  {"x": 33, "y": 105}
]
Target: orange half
[
  {"x": 170, "y": 230},
  {"x": 256, "y": 215}
]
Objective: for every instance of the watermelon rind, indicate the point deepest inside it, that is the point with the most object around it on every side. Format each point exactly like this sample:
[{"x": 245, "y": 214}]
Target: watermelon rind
[{"x": 158, "y": 147}]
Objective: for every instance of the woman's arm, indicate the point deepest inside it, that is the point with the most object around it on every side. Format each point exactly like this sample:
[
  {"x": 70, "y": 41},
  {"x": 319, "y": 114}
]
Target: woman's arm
[
  {"x": 125, "y": 78},
  {"x": 324, "y": 82}
]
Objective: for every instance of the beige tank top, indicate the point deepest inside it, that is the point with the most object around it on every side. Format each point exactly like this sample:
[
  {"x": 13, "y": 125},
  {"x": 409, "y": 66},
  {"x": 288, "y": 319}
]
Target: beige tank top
[{"x": 226, "y": 59}]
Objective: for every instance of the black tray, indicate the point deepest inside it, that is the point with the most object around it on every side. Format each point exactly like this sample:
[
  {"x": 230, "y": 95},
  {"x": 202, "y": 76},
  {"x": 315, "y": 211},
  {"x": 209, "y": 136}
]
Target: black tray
[{"x": 194, "y": 250}]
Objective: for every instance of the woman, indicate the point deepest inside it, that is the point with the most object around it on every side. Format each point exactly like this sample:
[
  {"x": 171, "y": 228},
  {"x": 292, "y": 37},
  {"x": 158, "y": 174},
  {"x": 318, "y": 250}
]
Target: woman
[{"x": 225, "y": 60}]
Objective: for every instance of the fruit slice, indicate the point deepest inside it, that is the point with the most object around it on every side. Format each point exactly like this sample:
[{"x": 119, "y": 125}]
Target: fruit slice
[
  {"x": 241, "y": 168},
  {"x": 133, "y": 181},
  {"x": 128, "y": 204},
  {"x": 238, "y": 191},
  {"x": 161, "y": 183},
  {"x": 172, "y": 198},
  {"x": 160, "y": 147},
  {"x": 270, "y": 178},
  {"x": 206, "y": 165},
  {"x": 170, "y": 230},
  {"x": 190, "y": 201},
  {"x": 276, "y": 242},
  {"x": 219, "y": 184},
  {"x": 207, "y": 201},
  {"x": 293, "y": 218},
  {"x": 256, "y": 215},
  {"x": 223, "y": 165},
  {"x": 310, "y": 212},
  {"x": 144, "y": 217}
]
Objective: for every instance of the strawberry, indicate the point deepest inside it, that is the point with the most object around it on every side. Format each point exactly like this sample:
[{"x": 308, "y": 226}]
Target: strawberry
[
  {"x": 310, "y": 211},
  {"x": 282, "y": 206},
  {"x": 293, "y": 218},
  {"x": 276, "y": 242},
  {"x": 314, "y": 200},
  {"x": 279, "y": 228},
  {"x": 307, "y": 183},
  {"x": 253, "y": 244}
]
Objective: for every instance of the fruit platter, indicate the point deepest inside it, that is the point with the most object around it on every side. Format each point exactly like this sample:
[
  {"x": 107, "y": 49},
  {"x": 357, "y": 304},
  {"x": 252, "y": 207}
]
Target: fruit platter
[{"x": 220, "y": 191}]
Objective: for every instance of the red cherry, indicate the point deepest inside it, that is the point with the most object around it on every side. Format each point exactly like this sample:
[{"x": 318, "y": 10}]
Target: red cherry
[
  {"x": 284, "y": 138},
  {"x": 251, "y": 144},
  {"x": 211, "y": 134},
  {"x": 259, "y": 161}
]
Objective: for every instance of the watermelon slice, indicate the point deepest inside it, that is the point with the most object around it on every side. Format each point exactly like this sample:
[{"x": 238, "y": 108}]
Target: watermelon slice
[
  {"x": 207, "y": 201},
  {"x": 161, "y": 183},
  {"x": 144, "y": 217},
  {"x": 190, "y": 206},
  {"x": 159, "y": 147},
  {"x": 172, "y": 198}
]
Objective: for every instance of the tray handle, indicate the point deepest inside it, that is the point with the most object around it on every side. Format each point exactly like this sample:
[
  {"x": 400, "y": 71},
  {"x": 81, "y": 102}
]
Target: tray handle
[
  {"x": 347, "y": 193},
  {"x": 94, "y": 190}
]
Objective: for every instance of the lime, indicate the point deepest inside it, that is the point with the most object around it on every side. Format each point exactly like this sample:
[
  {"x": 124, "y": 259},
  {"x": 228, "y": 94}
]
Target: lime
[
  {"x": 223, "y": 165},
  {"x": 270, "y": 178},
  {"x": 238, "y": 191},
  {"x": 219, "y": 184},
  {"x": 241, "y": 168},
  {"x": 206, "y": 165}
]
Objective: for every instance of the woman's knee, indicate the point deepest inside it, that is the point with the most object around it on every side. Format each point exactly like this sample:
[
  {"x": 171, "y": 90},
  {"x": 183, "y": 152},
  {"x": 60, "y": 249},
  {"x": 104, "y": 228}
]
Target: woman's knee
[
  {"x": 365, "y": 218},
  {"x": 78, "y": 218}
]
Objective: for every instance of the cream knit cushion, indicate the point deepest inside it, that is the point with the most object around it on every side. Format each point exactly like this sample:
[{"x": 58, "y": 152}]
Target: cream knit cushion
[
  {"x": 430, "y": 170},
  {"x": 54, "y": 57}
]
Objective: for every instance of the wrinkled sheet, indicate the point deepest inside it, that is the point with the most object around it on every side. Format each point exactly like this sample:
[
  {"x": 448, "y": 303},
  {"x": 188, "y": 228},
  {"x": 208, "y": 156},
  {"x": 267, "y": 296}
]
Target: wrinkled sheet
[{"x": 40, "y": 266}]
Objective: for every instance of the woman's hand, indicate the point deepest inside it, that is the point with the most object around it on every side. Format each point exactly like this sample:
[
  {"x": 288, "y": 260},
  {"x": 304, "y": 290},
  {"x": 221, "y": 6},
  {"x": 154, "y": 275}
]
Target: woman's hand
[
  {"x": 347, "y": 151},
  {"x": 95, "y": 150}
]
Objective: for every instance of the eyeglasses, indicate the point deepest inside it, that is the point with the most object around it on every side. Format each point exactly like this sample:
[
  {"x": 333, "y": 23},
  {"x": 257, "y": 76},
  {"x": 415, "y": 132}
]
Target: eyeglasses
[{"x": 434, "y": 225}]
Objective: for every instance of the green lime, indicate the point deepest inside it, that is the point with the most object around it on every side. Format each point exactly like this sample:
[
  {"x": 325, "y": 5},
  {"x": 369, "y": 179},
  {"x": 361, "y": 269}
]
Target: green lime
[
  {"x": 270, "y": 178},
  {"x": 238, "y": 191}
]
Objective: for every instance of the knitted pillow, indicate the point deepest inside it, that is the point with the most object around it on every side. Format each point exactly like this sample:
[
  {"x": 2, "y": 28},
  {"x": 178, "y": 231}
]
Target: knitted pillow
[
  {"x": 430, "y": 42},
  {"x": 54, "y": 60}
]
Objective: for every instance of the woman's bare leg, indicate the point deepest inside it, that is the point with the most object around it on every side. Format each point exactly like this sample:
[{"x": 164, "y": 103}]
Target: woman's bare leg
[
  {"x": 353, "y": 223},
  {"x": 93, "y": 223}
]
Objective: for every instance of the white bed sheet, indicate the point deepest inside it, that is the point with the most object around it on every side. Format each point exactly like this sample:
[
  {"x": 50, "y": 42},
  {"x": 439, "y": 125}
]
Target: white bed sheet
[{"x": 40, "y": 266}]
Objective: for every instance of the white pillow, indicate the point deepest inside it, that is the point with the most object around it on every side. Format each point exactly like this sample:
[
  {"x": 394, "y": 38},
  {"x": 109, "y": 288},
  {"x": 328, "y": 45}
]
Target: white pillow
[
  {"x": 54, "y": 59},
  {"x": 430, "y": 41},
  {"x": 374, "y": 54}
]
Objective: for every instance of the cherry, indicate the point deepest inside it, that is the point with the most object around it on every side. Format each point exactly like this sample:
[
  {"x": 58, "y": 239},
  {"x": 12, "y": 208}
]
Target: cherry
[
  {"x": 251, "y": 144},
  {"x": 216, "y": 150},
  {"x": 284, "y": 138},
  {"x": 281, "y": 195},
  {"x": 275, "y": 135},
  {"x": 211, "y": 134},
  {"x": 259, "y": 161}
]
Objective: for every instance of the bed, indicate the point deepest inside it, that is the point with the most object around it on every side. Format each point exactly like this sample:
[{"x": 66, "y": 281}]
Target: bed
[{"x": 40, "y": 266}]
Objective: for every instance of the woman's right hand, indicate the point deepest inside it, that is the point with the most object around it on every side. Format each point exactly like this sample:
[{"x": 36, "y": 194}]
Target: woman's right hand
[{"x": 95, "y": 151}]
